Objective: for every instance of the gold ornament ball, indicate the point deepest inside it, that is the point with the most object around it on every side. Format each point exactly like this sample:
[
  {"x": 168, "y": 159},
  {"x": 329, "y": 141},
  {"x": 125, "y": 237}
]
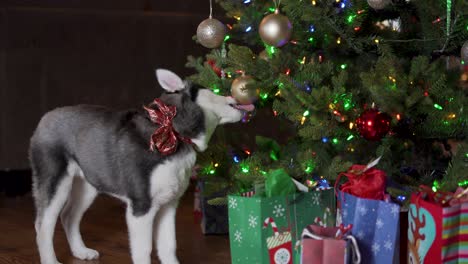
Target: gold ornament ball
[
  {"x": 464, "y": 52},
  {"x": 275, "y": 29},
  {"x": 378, "y": 4},
  {"x": 240, "y": 90},
  {"x": 211, "y": 33}
]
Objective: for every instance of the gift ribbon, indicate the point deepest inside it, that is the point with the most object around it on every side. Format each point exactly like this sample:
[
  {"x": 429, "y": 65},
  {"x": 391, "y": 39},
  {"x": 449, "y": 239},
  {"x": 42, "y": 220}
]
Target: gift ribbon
[
  {"x": 444, "y": 198},
  {"x": 342, "y": 230},
  {"x": 164, "y": 138}
]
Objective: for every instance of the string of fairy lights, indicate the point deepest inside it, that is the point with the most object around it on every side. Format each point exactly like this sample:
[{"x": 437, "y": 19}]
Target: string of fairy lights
[{"x": 342, "y": 101}]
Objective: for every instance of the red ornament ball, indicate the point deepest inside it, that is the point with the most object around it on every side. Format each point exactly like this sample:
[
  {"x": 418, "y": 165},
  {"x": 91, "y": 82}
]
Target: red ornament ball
[
  {"x": 373, "y": 125},
  {"x": 213, "y": 66}
]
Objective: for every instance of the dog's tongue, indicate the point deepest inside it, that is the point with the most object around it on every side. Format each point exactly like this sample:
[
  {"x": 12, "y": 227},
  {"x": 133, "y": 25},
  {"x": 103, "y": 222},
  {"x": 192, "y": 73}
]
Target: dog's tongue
[{"x": 245, "y": 107}]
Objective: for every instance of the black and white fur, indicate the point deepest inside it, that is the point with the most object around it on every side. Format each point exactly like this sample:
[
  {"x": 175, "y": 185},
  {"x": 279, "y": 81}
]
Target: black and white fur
[{"x": 79, "y": 151}]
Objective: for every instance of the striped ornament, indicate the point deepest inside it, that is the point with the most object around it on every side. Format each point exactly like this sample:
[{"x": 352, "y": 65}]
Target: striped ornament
[
  {"x": 248, "y": 194},
  {"x": 455, "y": 234}
]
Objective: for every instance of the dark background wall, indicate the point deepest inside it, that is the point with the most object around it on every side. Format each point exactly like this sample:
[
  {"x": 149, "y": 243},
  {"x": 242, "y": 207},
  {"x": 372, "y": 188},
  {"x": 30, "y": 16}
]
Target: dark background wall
[{"x": 55, "y": 53}]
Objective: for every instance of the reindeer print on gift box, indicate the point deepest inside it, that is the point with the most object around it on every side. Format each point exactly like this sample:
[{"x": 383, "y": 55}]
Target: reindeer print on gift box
[{"x": 421, "y": 234}]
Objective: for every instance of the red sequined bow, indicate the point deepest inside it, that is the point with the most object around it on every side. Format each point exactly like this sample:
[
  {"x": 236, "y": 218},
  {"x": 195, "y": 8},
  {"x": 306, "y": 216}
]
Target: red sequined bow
[{"x": 164, "y": 138}]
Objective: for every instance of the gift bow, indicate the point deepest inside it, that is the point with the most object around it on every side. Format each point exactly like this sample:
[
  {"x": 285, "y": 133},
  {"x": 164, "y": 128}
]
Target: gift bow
[
  {"x": 444, "y": 198},
  {"x": 460, "y": 196},
  {"x": 364, "y": 182},
  {"x": 164, "y": 138}
]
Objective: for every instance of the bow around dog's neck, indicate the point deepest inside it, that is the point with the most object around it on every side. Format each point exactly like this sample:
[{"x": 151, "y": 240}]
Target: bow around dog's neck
[
  {"x": 164, "y": 139},
  {"x": 178, "y": 120}
]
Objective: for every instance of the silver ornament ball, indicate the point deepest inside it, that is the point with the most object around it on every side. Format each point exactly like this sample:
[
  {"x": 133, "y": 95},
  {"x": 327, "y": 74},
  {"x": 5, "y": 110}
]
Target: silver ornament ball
[
  {"x": 211, "y": 32},
  {"x": 378, "y": 4},
  {"x": 275, "y": 29},
  {"x": 464, "y": 52}
]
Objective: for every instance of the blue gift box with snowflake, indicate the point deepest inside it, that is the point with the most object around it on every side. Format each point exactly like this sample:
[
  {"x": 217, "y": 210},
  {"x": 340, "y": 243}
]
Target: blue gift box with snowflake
[
  {"x": 376, "y": 226},
  {"x": 268, "y": 229}
]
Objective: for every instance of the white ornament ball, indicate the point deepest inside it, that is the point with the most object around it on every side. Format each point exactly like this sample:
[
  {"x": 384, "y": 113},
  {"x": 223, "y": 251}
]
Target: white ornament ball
[
  {"x": 378, "y": 4},
  {"x": 464, "y": 52},
  {"x": 275, "y": 29},
  {"x": 211, "y": 33}
]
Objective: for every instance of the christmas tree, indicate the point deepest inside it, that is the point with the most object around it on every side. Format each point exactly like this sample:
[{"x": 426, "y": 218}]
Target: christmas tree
[{"x": 357, "y": 79}]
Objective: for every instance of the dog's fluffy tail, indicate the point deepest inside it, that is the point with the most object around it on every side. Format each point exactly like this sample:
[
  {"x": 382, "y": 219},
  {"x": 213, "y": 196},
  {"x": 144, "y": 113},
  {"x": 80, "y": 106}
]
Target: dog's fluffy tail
[{"x": 48, "y": 164}]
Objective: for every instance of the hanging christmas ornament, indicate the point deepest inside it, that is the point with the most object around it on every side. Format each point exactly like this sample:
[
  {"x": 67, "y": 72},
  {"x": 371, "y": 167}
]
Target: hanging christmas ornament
[
  {"x": 213, "y": 66},
  {"x": 373, "y": 125},
  {"x": 378, "y": 4},
  {"x": 211, "y": 32},
  {"x": 464, "y": 52},
  {"x": 275, "y": 29},
  {"x": 241, "y": 92}
]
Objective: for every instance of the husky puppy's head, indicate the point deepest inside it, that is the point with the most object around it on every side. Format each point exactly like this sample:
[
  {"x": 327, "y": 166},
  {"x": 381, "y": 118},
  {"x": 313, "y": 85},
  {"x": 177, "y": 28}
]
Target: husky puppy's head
[{"x": 199, "y": 110}]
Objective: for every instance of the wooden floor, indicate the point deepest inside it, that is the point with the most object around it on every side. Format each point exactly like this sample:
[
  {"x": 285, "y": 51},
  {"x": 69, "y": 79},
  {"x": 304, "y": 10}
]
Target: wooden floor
[{"x": 104, "y": 229}]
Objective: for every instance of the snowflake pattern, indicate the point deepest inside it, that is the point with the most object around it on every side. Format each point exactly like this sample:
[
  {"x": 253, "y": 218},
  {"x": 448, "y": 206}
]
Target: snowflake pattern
[
  {"x": 238, "y": 236},
  {"x": 282, "y": 256},
  {"x": 252, "y": 221},
  {"x": 345, "y": 213},
  {"x": 395, "y": 211},
  {"x": 316, "y": 198},
  {"x": 375, "y": 248},
  {"x": 232, "y": 203},
  {"x": 379, "y": 223},
  {"x": 361, "y": 235},
  {"x": 362, "y": 210},
  {"x": 388, "y": 245},
  {"x": 278, "y": 210}
]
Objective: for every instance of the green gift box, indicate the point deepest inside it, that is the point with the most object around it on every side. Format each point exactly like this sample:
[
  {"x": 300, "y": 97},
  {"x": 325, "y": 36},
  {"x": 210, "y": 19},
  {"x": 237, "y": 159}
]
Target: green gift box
[{"x": 268, "y": 229}]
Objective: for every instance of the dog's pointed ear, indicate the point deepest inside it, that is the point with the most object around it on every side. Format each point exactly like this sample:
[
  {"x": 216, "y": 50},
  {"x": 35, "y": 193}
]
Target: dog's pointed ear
[{"x": 169, "y": 81}]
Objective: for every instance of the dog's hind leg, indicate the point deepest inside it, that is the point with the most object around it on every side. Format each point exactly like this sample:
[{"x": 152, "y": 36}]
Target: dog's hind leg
[
  {"x": 49, "y": 210},
  {"x": 81, "y": 197},
  {"x": 165, "y": 234}
]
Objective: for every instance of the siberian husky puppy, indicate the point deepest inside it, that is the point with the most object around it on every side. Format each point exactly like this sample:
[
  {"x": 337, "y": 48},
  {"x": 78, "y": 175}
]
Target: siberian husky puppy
[{"x": 80, "y": 151}]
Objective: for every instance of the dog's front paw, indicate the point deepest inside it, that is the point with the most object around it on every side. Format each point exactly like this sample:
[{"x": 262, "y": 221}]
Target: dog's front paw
[
  {"x": 170, "y": 261},
  {"x": 86, "y": 254}
]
